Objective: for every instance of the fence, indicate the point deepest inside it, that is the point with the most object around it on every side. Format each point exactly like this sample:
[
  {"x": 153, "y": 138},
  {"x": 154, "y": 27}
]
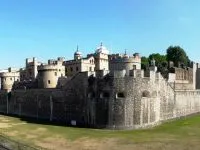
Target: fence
[{"x": 8, "y": 144}]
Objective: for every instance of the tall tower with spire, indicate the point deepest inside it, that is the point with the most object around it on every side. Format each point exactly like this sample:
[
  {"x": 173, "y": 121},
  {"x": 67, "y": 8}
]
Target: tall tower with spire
[{"x": 77, "y": 54}]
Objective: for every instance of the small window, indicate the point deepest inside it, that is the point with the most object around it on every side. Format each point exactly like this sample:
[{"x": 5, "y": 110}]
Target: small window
[
  {"x": 49, "y": 82},
  {"x": 71, "y": 69},
  {"x": 10, "y": 79},
  {"x": 55, "y": 73},
  {"x": 145, "y": 94},
  {"x": 90, "y": 68},
  {"x": 59, "y": 70},
  {"x": 104, "y": 95},
  {"x": 120, "y": 95},
  {"x": 76, "y": 68},
  {"x": 91, "y": 95},
  {"x": 5, "y": 79}
]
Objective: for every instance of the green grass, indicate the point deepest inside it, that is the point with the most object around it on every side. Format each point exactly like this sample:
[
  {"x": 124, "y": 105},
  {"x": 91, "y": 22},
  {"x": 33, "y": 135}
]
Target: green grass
[{"x": 183, "y": 133}]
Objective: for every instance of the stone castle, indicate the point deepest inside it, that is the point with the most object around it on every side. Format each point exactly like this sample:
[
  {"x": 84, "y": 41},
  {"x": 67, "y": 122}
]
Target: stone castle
[{"x": 100, "y": 90}]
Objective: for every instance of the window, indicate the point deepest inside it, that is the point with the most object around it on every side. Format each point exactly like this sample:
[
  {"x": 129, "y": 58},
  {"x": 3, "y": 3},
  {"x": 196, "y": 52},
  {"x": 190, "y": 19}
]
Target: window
[
  {"x": 55, "y": 73},
  {"x": 104, "y": 95},
  {"x": 120, "y": 95},
  {"x": 134, "y": 67},
  {"x": 49, "y": 82},
  {"x": 5, "y": 79},
  {"x": 90, "y": 68},
  {"x": 71, "y": 69},
  {"x": 91, "y": 95},
  {"x": 145, "y": 94},
  {"x": 59, "y": 70},
  {"x": 10, "y": 79},
  {"x": 76, "y": 68}
]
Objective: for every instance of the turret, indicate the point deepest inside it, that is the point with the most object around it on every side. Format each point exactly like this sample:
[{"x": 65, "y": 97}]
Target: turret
[
  {"x": 101, "y": 58},
  {"x": 77, "y": 54}
]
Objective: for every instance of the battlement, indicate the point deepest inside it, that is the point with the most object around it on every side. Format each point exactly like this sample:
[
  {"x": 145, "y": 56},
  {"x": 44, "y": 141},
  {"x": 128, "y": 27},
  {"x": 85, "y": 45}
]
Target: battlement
[
  {"x": 125, "y": 58},
  {"x": 50, "y": 67},
  {"x": 59, "y": 60},
  {"x": 152, "y": 75},
  {"x": 97, "y": 73},
  {"x": 10, "y": 73},
  {"x": 31, "y": 61}
]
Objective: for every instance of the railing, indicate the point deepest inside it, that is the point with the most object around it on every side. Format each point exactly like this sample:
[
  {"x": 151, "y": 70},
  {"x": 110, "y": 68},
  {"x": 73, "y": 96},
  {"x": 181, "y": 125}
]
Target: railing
[{"x": 8, "y": 144}]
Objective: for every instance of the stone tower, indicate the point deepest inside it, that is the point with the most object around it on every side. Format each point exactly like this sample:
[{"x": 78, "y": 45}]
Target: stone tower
[{"x": 101, "y": 58}]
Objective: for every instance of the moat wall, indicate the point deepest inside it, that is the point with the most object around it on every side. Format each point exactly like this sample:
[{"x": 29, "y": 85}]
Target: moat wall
[{"x": 114, "y": 102}]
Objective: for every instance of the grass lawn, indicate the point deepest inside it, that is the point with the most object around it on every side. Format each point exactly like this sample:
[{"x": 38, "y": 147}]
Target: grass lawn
[{"x": 183, "y": 134}]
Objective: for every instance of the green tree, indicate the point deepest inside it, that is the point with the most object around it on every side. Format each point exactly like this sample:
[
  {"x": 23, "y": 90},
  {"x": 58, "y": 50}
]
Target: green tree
[
  {"x": 177, "y": 55},
  {"x": 144, "y": 62},
  {"x": 161, "y": 62},
  {"x": 160, "y": 59}
]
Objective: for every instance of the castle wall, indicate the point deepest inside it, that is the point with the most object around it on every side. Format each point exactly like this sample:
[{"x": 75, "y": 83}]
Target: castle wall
[
  {"x": 113, "y": 101},
  {"x": 187, "y": 102},
  {"x": 137, "y": 100},
  {"x": 198, "y": 78}
]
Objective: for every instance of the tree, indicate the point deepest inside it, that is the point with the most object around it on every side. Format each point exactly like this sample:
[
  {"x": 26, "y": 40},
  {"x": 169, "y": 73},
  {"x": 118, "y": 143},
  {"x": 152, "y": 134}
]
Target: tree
[
  {"x": 177, "y": 55},
  {"x": 160, "y": 59},
  {"x": 161, "y": 62},
  {"x": 144, "y": 62}
]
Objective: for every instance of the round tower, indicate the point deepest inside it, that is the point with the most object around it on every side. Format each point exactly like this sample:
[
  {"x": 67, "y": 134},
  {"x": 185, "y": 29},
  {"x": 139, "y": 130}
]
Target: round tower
[
  {"x": 8, "y": 79},
  {"x": 48, "y": 75},
  {"x": 124, "y": 62}
]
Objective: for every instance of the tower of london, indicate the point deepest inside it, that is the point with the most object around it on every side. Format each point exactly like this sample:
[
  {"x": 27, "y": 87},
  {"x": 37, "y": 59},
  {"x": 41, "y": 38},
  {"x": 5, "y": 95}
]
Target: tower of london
[{"x": 100, "y": 90}]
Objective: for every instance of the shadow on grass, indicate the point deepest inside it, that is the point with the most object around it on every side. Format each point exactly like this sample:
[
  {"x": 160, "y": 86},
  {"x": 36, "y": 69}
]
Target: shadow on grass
[
  {"x": 61, "y": 123},
  {"x": 169, "y": 125}
]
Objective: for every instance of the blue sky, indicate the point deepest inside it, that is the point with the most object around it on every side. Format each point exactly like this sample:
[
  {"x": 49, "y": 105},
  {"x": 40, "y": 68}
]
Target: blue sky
[{"x": 51, "y": 28}]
